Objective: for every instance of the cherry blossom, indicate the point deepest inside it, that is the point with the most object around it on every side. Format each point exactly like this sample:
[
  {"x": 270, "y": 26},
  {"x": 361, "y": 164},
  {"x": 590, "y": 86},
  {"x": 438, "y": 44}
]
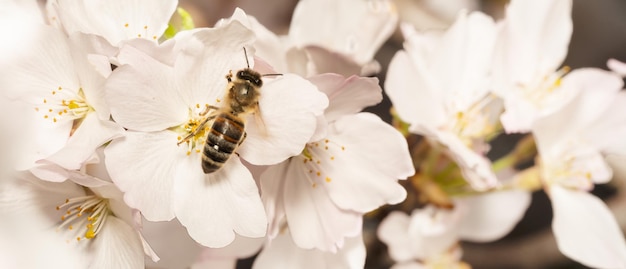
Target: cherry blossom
[
  {"x": 322, "y": 193},
  {"x": 572, "y": 144},
  {"x": 160, "y": 104},
  {"x": 439, "y": 85},
  {"x": 69, "y": 117},
  {"x": 532, "y": 44}
]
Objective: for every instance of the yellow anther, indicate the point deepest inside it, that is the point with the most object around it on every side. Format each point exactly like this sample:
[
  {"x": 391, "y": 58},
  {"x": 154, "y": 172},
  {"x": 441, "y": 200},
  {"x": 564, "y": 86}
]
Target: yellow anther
[{"x": 328, "y": 179}]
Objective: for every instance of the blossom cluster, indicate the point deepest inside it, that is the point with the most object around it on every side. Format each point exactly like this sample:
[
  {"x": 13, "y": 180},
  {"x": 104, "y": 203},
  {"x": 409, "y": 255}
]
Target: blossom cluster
[
  {"x": 478, "y": 79},
  {"x": 145, "y": 142},
  {"x": 150, "y": 143}
]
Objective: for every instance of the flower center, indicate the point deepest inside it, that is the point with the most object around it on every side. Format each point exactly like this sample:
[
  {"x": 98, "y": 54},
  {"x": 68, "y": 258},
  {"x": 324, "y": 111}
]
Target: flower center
[
  {"x": 86, "y": 215},
  {"x": 64, "y": 105},
  {"x": 194, "y": 132},
  {"x": 577, "y": 166},
  {"x": 478, "y": 121},
  {"x": 541, "y": 93},
  {"x": 316, "y": 158}
]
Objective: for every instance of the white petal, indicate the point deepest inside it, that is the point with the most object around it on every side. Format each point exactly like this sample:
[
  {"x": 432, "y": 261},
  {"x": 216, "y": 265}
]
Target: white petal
[
  {"x": 91, "y": 134},
  {"x": 31, "y": 202},
  {"x": 347, "y": 95},
  {"x": 267, "y": 44},
  {"x": 272, "y": 184},
  {"x": 362, "y": 163},
  {"x": 490, "y": 216},
  {"x": 142, "y": 94},
  {"x": 117, "y": 20},
  {"x": 143, "y": 166},
  {"x": 170, "y": 240},
  {"x": 314, "y": 220},
  {"x": 117, "y": 246},
  {"x": 288, "y": 107},
  {"x": 596, "y": 90},
  {"x": 617, "y": 67},
  {"x": 282, "y": 253},
  {"x": 465, "y": 53},
  {"x": 354, "y": 28},
  {"x": 526, "y": 48},
  {"x": 241, "y": 247},
  {"x": 585, "y": 230},
  {"x": 393, "y": 232},
  {"x": 207, "y": 56},
  {"x": 409, "y": 93},
  {"x": 214, "y": 207}
]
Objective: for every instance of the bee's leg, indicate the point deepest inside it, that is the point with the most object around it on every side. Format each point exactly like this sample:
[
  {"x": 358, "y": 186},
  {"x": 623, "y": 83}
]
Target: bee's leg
[
  {"x": 229, "y": 76},
  {"x": 241, "y": 141},
  {"x": 195, "y": 132},
  {"x": 207, "y": 109}
]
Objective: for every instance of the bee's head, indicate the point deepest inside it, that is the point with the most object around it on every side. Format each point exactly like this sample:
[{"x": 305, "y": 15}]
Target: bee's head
[{"x": 251, "y": 76}]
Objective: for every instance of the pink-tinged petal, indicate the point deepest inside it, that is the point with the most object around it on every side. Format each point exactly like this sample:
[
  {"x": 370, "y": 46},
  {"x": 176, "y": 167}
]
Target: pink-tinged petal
[
  {"x": 490, "y": 216},
  {"x": 117, "y": 20},
  {"x": 91, "y": 134},
  {"x": 354, "y": 28},
  {"x": 410, "y": 96},
  {"x": 172, "y": 243},
  {"x": 142, "y": 94},
  {"x": 617, "y": 67},
  {"x": 393, "y": 231},
  {"x": 282, "y": 253},
  {"x": 323, "y": 61},
  {"x": 585, "y": 230},
  {"x": 143, "y": 166},
  {"x": 358, "y": 173},
  {"x": 527, "y": 47},
  {"x": 314, "y": 220},
  {"x": 347, "y": 95},
  {"x": 214, "y": 207},
  {"x": 288, "y": 108},
  {"x": 117, "y": 246},
  {"x": 207, "y": 56}
]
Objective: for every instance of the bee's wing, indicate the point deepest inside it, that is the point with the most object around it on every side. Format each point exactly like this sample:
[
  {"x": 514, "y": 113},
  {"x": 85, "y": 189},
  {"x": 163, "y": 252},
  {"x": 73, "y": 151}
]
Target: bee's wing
[{"x": 259, "y": 121}]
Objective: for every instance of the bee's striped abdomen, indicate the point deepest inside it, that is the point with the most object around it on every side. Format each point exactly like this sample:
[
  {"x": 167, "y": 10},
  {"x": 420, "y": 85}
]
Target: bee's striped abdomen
[{"x": 224, "y": 137}]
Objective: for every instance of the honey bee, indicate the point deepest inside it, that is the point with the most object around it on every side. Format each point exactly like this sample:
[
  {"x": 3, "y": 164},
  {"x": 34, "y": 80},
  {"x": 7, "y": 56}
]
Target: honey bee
[{"x": 227, "y": 130}]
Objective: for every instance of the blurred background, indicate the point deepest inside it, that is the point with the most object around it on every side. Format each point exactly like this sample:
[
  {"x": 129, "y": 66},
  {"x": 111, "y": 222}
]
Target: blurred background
[{"x": 599, "y": 34}]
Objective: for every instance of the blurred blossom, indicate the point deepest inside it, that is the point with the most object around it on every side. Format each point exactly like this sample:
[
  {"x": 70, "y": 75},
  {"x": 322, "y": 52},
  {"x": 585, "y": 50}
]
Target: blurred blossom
[
  {"x": 531, "y": 45},
  {"x": 572, "y": 143},
  {"x": 281, "y": 253},
  {"x": 439, "y": 84},
  {"x": 431, "y": 234}
]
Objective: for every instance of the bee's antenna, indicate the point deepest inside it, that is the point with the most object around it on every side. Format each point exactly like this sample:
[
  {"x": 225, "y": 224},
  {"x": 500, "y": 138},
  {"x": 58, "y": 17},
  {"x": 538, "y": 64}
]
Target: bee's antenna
[
  {"x": 271, "y": 75},
  {"x": 246, "y": 54}
]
